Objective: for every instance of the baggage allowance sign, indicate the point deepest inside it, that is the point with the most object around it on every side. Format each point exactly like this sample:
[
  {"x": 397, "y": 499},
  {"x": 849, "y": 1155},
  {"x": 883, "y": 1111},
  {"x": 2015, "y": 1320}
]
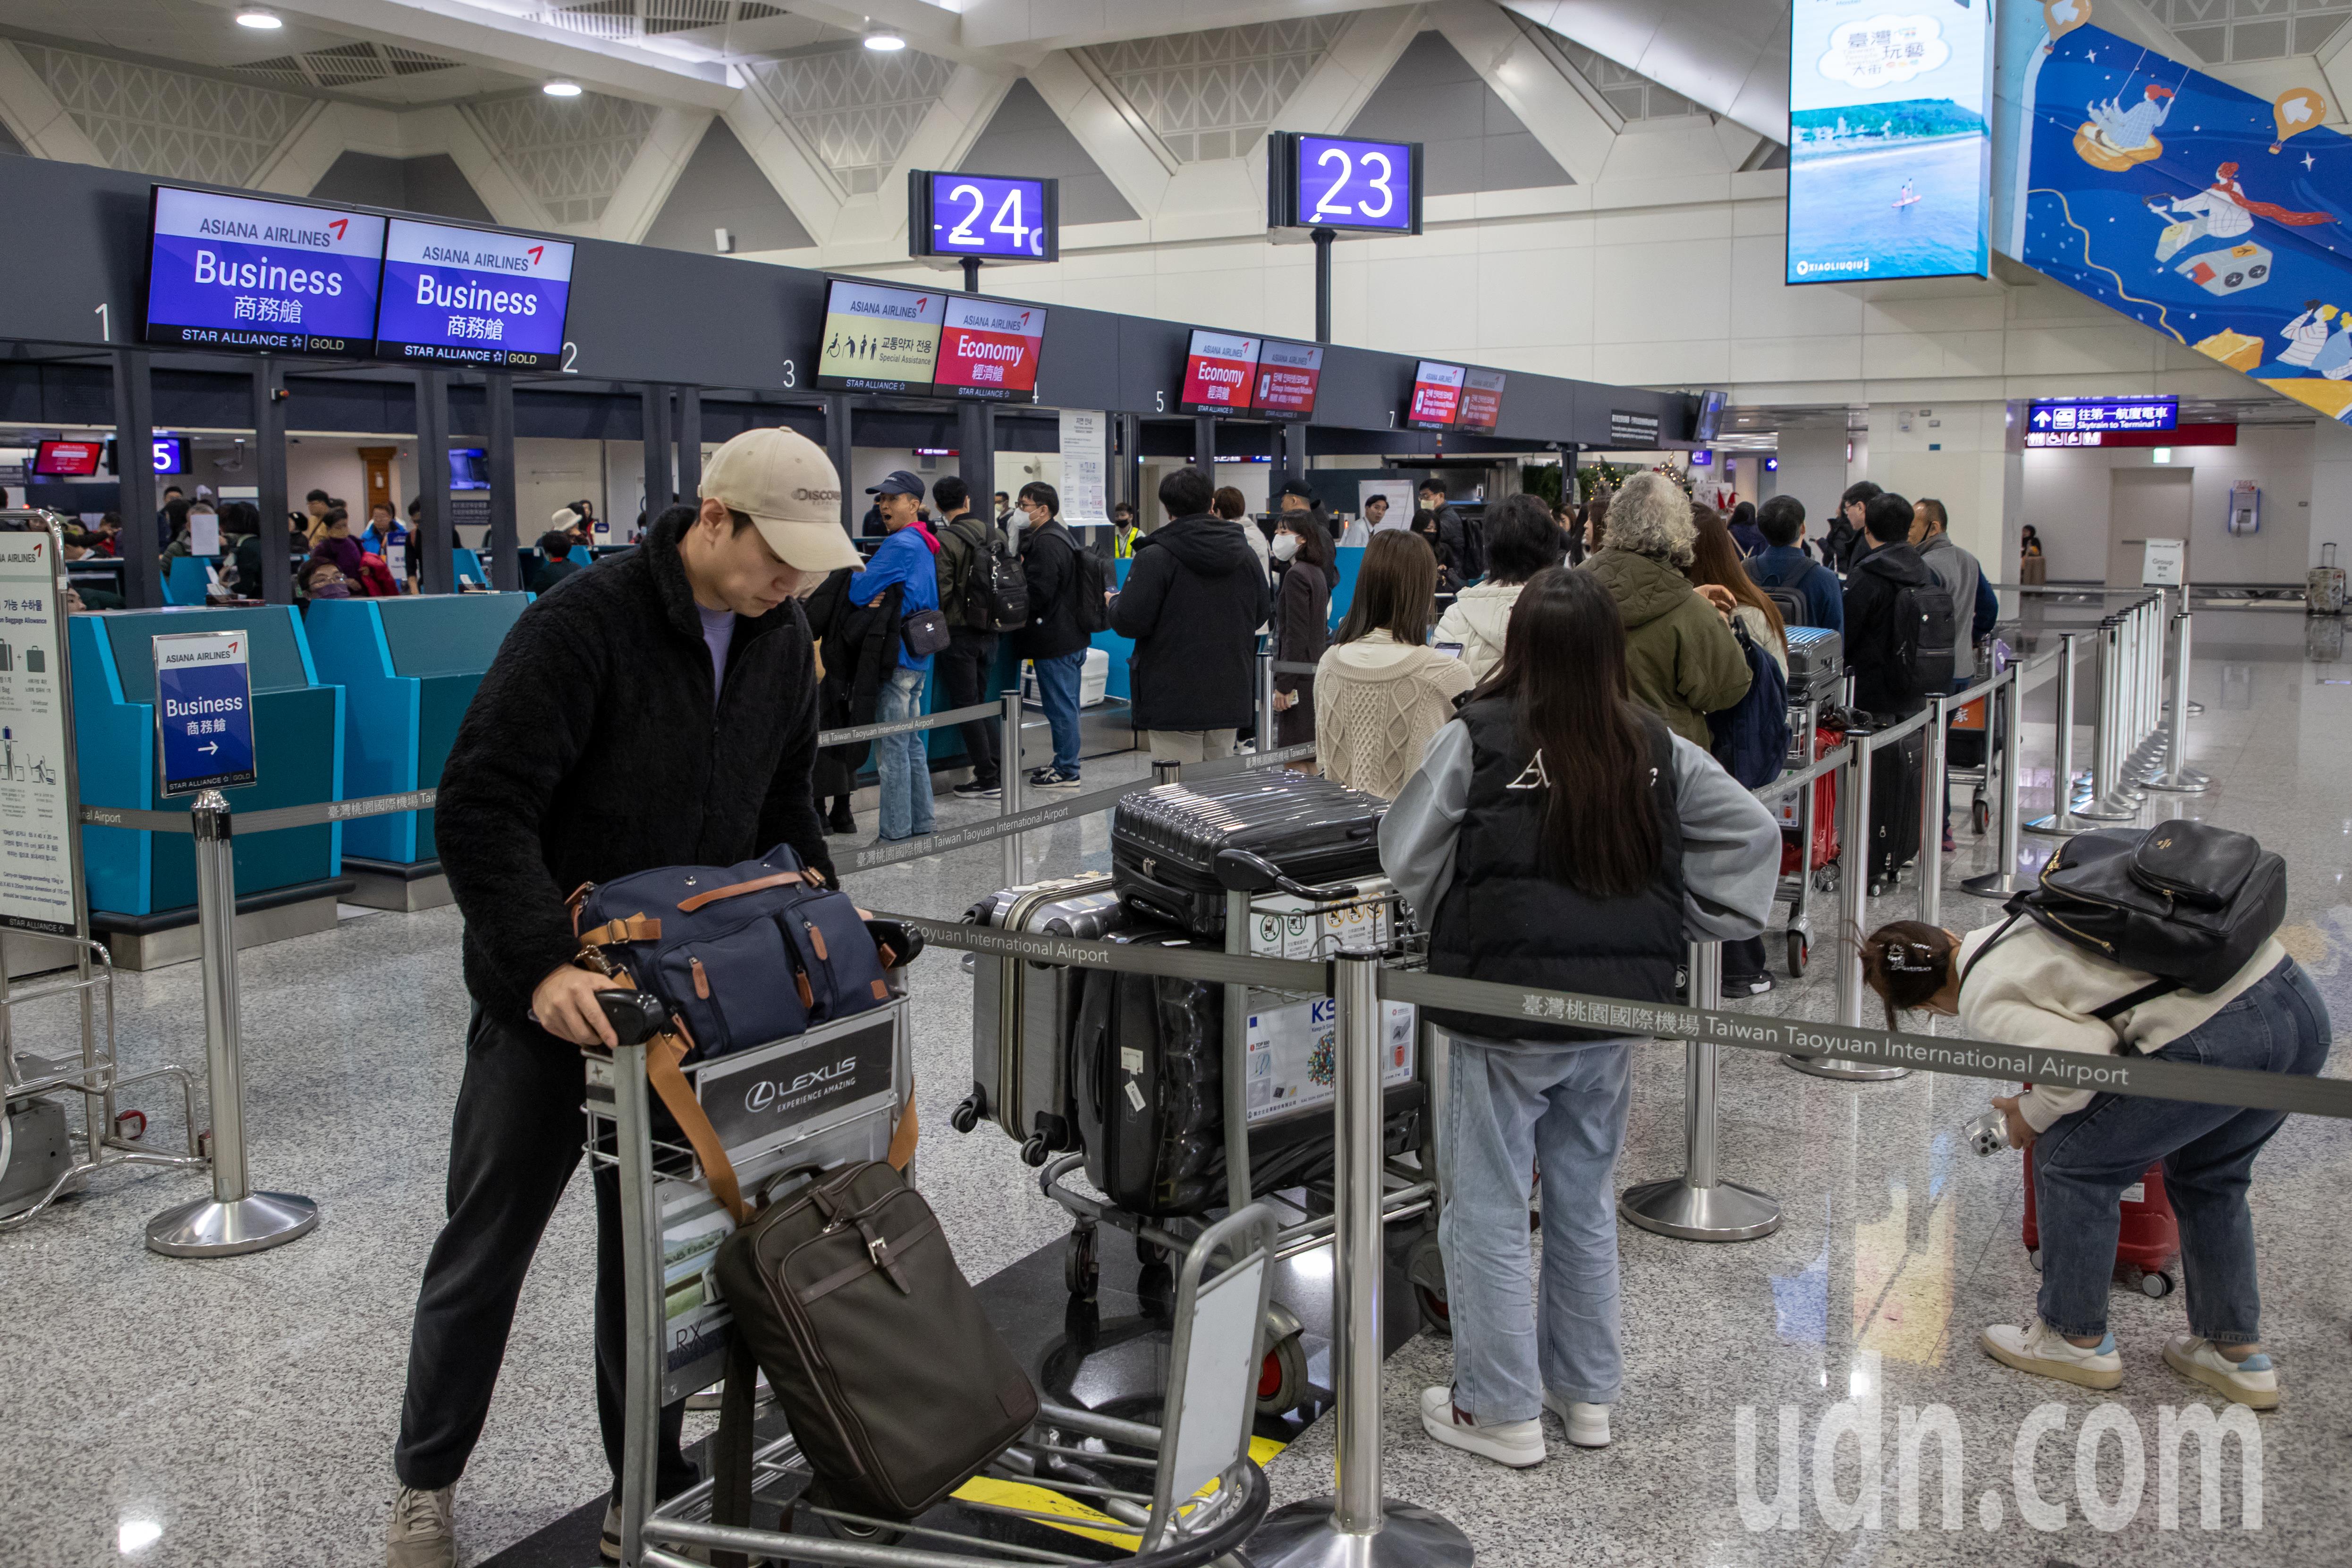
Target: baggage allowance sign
[{"x": 39, "y": 886}]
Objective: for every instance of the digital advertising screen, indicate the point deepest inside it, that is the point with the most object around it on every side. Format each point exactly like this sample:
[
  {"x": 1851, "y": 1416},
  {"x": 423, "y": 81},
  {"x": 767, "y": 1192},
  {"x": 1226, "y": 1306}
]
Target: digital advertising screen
[
  {"x": 1287, "y": 376},
  {"x": 993, "y": 216},
  {"x": 68, "y": 459},
  {"x": 1482, "y": 401},
  {"x": 879, "y": 339},
  {"x": 472, "y": 296},
  {"x": 1889, "y": 154},
  {"x": 468, "y": 468},
  {"x": 1342, "y": 181},
  {"x": 1436, "y": 395},
  {"x": 989, "y": 349},
  {"x": 1709, "y": 423},
  {"x": 238, "y": 272},
  {"x": 1218, "y": 370}
]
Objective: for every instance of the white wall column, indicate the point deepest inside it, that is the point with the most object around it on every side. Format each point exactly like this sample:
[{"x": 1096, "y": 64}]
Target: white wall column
[{"x": 1962, "y": 454}]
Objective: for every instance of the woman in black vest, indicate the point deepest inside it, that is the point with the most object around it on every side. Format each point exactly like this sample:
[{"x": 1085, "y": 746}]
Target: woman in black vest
[{"x": 1557, "y": 835}]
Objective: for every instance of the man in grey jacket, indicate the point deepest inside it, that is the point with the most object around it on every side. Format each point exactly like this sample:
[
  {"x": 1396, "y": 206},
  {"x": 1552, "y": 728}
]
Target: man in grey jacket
[{"x": 1959, "y": 573}]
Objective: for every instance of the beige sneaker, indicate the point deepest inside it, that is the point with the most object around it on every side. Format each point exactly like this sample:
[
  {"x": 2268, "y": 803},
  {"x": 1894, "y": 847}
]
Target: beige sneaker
[
  {"x": 2252, "y": 1382},
  {"x": 2040, "y": 1349},
  {"x": 422, "y": 1534}
]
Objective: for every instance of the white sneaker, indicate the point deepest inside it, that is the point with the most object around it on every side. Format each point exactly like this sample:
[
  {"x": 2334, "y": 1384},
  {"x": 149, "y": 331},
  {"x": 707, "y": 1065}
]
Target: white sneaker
[
  {"x": 2040, "y": 1349},
  {"x": 2251, "y": 1382},
  {"x": 1588, "y": 1425},
  {"x": 422, "y": 1534},
  {"x": 1517, "y": 1444}
]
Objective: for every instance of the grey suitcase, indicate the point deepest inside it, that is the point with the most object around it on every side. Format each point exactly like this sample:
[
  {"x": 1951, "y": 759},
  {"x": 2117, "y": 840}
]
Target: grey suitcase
[
  {"x": 1816, "y": 663},
  {"x": 1021, "y": 1012}
]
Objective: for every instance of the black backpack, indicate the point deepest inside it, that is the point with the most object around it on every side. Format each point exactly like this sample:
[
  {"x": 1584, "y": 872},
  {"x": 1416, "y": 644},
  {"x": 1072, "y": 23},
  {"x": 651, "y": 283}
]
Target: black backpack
[
  {"x": 1791, "y": 605},
  {"x": 988, "y": 591},
  {"x": 2184, "y": 901},
  {"x": 1092, "y": 580},
  {"x": 1925, "y": 629}
]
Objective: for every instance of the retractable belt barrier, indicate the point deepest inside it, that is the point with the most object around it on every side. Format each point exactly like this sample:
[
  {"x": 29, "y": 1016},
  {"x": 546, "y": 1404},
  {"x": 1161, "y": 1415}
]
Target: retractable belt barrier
[
  {"x": 2146, "y": 1077},
  {"x": 906, "y": 726},
  {"x": 269, "y": 821},
  {"x": 1283, "y": 666}
]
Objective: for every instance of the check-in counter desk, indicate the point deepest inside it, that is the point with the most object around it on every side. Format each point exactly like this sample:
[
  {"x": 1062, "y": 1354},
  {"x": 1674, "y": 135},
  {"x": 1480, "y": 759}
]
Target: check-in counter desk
[
  {"x": 408, "y": 668},
  {"x": 142, "y": 884}
]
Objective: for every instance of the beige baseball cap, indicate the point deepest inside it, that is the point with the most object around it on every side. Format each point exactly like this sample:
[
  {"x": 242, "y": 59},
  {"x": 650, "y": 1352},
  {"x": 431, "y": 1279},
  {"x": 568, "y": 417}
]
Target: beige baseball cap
[{"x": 788, "y": 486}]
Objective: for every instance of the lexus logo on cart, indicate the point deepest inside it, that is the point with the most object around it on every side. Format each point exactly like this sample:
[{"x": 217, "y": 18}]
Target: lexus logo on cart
[{"x": 765, "y": 1093}]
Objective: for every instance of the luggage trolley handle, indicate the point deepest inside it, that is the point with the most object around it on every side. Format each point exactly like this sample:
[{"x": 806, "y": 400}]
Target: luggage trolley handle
[{"x": 1239, "y": 871}]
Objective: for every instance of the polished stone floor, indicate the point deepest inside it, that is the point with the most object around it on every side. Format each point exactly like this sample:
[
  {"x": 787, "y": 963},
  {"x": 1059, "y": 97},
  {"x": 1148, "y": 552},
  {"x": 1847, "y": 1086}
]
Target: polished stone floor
[{"x": 242, "y": 1412}]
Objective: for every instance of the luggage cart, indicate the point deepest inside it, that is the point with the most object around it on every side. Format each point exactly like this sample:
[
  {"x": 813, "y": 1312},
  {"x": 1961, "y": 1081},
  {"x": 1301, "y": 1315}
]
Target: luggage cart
[{"x": 1181, "y": 1494}]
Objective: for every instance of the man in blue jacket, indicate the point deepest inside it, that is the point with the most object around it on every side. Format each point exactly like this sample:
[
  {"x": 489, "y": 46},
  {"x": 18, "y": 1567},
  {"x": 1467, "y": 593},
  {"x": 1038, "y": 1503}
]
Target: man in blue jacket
[
  {"x": 1781, "y": 564},
  {"x": 905, "y": 562}
]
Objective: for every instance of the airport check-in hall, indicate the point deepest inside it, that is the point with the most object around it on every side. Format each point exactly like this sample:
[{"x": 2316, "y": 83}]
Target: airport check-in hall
[{"x": 985, "y": 786}]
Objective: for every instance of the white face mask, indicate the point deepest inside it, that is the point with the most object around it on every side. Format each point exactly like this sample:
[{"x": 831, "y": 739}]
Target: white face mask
[{"x": 1286, "y": 546}]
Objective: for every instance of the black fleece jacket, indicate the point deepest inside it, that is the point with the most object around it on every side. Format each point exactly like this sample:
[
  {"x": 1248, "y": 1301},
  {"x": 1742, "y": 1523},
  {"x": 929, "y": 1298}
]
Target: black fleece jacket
[
  {"x": 1881, "y": 685},
  {"x": 1195, "y": 597},
  {"x": 593, "y": 750}
]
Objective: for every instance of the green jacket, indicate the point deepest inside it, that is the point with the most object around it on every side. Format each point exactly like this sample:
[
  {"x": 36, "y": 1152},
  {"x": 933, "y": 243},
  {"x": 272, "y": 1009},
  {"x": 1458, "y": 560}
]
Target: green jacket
[{"x": 1683, "y": 661}]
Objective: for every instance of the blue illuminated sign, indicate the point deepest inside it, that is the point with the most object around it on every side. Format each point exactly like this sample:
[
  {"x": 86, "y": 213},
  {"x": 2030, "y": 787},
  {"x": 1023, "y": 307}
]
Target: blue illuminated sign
[
  {"x": 170, "y": 455},
  {"x": 204, "y": 711},
  {"x": 991, "y": 216},
  {"x": 237, "y": 272},
  {"x": 1343, "y": 182},
  {"x": 472, "y": 296},
  {"x": 2104, "y": 413}
]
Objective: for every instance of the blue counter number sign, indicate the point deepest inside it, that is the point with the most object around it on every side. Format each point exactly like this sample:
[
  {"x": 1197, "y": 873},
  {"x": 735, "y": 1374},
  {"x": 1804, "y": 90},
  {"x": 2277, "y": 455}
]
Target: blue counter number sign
[{"x": 203, "y": 711}]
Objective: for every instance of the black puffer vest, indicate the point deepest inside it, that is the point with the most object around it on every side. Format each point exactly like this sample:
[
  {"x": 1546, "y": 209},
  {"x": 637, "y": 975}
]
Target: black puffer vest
[{"x": 1502, "y": 919}]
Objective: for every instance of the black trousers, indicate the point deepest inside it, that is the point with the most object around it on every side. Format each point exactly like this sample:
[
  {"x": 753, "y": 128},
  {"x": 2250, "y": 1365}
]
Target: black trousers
[
  {"x": 963, "y": 668},
  {"x": 513, "y": 1147}
]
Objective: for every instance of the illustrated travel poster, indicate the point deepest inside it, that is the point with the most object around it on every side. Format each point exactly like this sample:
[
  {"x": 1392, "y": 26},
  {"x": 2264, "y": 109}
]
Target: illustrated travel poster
[
  {"x": 2220, "y": 219},
  {"x": 1889, "y": 157}
]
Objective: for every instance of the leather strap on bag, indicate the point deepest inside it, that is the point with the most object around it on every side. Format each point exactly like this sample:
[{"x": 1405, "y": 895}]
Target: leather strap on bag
[
  {"x": 780, "y": 879},
  {"x": 635, "y": 927},
  {"x": 902, "y": 1137},
  {"x": 662, "y": 1056}
]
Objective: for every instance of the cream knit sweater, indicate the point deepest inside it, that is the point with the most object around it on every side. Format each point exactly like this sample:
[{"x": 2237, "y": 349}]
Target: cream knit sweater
[{"x": 1377, "y": 703}]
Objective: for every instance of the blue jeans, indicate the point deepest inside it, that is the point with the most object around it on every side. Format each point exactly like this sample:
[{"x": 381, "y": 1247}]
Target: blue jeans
[
  {"x": 1510, "y": 1107},
  {"x": 2086, "y": 1159},
  {"x": 1057, "y": 693},
  {"x": 904, "y": 761}
]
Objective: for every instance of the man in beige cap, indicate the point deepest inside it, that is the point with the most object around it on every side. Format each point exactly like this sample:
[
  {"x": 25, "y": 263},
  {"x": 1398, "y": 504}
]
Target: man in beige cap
[{"x": 660, "y": 711}]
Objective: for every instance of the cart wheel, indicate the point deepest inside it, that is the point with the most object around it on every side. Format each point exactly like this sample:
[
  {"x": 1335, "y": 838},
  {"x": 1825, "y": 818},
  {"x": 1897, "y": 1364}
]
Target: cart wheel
[
  {"x": 1148, "y": 1254},
  {"x": 1981, "y": 813},
  {"x": 2034, "y": 1256},
  {"x": 1436, "y": 1316},
  {"x": 1424, "y": 1270},
  {"x": 1825, "y": 880},
  {"x": 131, "y": 1125},
  {"x": 2158, "y": 1285},
  {"x": 1800, "y": 951},
  {"x": 1081, "y": 1269},
  {"x": 965, "y": 1117},
  {"x": 1282, "y": 1376},
  {"x": 1155, "y": 1287}
]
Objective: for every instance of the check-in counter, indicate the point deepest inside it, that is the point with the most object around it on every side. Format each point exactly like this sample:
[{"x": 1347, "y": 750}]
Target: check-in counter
[
  {"x": 409, "y": 667},
  {"x": 142, "y": 887}
]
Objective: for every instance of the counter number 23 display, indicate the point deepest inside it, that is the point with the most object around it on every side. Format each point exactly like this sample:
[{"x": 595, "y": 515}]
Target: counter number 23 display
[{"x": 1342, "y": 183}]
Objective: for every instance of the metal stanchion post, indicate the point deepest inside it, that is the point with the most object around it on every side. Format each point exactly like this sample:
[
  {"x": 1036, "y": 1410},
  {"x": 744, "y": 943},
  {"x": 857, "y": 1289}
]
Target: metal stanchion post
[
  {"x": 1699, "y": 1205},
  {"x": 1008, "y": 769},
  {"x": 1238, "y": 1187},
  {"x": 2003, "y": 880},
  {"x": 2178, "y": 777},
  {"x": 235, "y": 1218},
  {"x": 2107, "y": 802},
  {"x": 2061, "y": 823},
  {"x": 1358, "y": 1527},
  {"x": 2149, "y": 759},
  {"x": 1931, "y": 814},
  {"x": 1853, "y": 909},
  {"x": 1266, "y": 700}
]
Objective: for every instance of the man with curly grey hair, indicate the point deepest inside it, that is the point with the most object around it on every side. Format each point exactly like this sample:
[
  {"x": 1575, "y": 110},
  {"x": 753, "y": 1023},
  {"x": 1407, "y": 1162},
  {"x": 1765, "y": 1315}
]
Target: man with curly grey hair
[{"x": 1680, "y": 653}]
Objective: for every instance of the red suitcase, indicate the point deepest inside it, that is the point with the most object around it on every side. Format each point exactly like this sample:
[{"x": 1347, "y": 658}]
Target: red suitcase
[
  {"x": 2147, "y": 1246},
  {"x": 1825, "y": 839}
]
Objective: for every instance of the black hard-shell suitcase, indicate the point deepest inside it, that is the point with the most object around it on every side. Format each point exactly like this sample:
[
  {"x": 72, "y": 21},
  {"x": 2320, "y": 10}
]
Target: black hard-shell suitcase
[
  {"x": 1020, "y": 1012},
  {"x": 1816, "y": 662},
  {"x": 1894, "y": 785},
  {"x": 1164, "y": 841},
  {"x": 1147, "y": 1075}
]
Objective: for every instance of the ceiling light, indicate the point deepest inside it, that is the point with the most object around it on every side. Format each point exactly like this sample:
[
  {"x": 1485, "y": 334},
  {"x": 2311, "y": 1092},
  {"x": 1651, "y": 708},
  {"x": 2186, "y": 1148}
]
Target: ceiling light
[
  {"x": 885, "y": 43},
  {"x": 561, "y": 89},
  {"x": 261, "y": 21}
]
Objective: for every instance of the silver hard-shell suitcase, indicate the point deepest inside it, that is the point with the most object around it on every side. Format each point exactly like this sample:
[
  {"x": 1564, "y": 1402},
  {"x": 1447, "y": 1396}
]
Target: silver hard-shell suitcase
[{"x": 1021, "y": 1013}]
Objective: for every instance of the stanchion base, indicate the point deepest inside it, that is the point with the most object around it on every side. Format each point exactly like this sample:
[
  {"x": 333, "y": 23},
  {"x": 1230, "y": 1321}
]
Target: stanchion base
[
  {"x": 1850, "y": 1072},
  {"x": 1308, "y": 1535},
  {"x": 2050, "y": 828},
  {"x": 1998, "y": 884},
  {"x": 2108, "y": 810},
  {"x": 210, "y": 1228},
  {"x": 1723, "y": 1212},
  {"x": 2181, "y": 782}
]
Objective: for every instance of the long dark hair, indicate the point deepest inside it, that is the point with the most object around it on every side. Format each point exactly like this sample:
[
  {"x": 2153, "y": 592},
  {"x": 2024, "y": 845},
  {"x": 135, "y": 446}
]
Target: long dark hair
[
  {"x": 1563, "y": 670},
  {"x": 1315, "y": 546},
  {"x": 1714, "y": 560},
  {"x": 1907, "y": 964},
  {"x": 1396, "y": 591}
]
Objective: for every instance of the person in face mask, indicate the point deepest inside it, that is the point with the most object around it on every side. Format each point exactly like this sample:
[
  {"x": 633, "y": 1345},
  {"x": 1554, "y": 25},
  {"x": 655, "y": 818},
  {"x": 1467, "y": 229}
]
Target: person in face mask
[
  {"x": 323, "y": 579},
  {"x": 1302, "y": 619}
]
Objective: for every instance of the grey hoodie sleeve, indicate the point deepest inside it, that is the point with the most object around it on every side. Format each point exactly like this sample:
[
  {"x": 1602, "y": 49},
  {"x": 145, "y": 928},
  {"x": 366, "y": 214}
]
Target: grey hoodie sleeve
[
  {"x": 1731, "y": 850},
  {"x": 1418, "y": 834}
]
